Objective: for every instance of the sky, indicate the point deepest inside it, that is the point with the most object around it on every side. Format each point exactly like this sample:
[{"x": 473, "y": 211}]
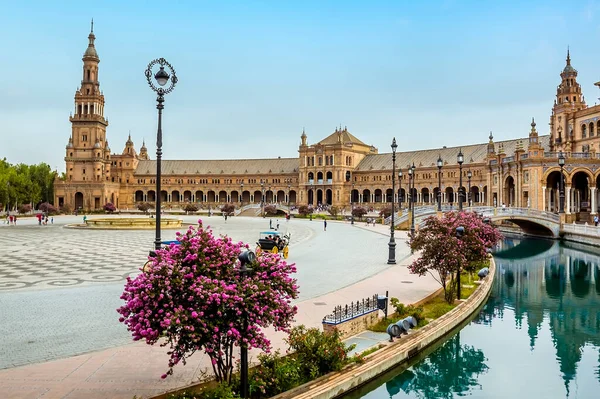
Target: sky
[{"x": 253, "y": 74}]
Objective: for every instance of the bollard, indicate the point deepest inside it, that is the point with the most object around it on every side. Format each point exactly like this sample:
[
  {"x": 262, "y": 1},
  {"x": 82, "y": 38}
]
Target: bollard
[
  {"x": 393, "y": 331},
  {"x": 403, "y": 325},
  {"x": 411, "y": 320},
  {"x": 483, "y": 273}
]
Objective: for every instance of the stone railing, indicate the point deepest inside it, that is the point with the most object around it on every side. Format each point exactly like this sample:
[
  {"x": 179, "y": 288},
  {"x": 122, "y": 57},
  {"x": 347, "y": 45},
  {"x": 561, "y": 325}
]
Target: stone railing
[{"x": 582, "y": 229}]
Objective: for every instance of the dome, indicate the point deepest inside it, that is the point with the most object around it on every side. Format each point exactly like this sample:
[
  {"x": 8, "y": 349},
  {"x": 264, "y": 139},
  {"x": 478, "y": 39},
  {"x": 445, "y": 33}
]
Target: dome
[
  {"x": 569, "y": 69},
  {"x": 97, "y": 145},
  {"x": 90, "y": 52},
  {"x": 70, "y": 144}
]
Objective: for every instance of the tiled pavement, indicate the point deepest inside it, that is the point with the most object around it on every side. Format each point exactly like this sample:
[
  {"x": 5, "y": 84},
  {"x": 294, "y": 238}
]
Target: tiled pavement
[{"x": 340, "y": 256}]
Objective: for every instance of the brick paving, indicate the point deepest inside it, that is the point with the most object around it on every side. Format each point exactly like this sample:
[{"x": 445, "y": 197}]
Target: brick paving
[{"x": 44, "y": 322}]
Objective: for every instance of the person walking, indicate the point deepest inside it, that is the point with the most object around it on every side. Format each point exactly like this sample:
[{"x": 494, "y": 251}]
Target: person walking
[
  {"x": 324, "y": 225},
  {"x": 277, "y": 228},
  {"x": 595, "y": 220}
]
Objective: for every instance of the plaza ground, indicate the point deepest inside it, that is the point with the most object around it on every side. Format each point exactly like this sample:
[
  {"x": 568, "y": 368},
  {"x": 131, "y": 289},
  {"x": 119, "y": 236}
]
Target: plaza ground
[{"x": 59, "y": 289}]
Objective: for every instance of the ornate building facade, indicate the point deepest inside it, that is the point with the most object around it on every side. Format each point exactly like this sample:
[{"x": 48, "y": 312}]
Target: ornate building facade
[{"x": 341, "y": 169}]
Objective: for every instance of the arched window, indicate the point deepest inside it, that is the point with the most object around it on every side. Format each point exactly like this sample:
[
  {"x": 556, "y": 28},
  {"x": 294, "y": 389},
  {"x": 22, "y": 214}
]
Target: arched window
[
  {"x": 331, "y": 160},
  {"x": 320, "y": 161},
  {"x": 591, "y": 129},
  {"x": 583, "y": 131}
]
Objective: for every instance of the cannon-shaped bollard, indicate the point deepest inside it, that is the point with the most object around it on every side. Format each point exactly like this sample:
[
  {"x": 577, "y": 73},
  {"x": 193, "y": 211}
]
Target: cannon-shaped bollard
[
  {"x": 483, "y": 273},
  {"x": 393, "y": 331},
  {"x": 412, "y": 321},
  {"x": 404, "y": 326}
]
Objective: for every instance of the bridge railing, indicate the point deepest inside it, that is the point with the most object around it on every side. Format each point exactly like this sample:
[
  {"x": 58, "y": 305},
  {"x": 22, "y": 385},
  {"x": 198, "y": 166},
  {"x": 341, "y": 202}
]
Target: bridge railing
[{"x": 584, "y": 229}]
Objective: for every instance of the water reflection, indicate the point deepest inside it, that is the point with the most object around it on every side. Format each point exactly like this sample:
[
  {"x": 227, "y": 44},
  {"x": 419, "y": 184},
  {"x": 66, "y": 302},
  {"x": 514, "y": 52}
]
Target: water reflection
[
  {"x": 545, "y": 308},
  {"x": 452, "y": 369}
]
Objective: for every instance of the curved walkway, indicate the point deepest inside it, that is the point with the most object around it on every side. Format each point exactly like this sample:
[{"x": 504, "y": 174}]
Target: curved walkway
[{"x": 340, "y": 265}]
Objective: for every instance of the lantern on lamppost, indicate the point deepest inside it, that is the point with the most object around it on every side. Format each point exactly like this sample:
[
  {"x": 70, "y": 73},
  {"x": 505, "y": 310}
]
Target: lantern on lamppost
[
  {"x": 392, "y": 243},
  {"x": 440, "y": 163},
  {"x": 460, "y": 159},
  {"x": 469, "y": 175},
  {"x": 561, "y": 163}
]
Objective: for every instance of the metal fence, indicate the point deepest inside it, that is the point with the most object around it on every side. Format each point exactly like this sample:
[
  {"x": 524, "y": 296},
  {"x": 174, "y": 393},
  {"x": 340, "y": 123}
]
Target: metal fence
[{"x": 354, "y": 309}]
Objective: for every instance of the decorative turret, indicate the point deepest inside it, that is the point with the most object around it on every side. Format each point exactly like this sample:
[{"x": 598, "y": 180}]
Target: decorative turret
[
  {"x": 491, "y": 148},
  {"x": 303, "y": 137},
  {"x": 143, "y": 151},
  {"x": 129, "y": 148},
  {"x": 70, "y": 144},
  {"x": 534, "y": 148}
]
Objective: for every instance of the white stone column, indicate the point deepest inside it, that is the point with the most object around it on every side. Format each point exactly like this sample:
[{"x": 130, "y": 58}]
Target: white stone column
[
  {"x": 593, "y": 195},
  {"x": 544, "y": 198},
  {"x": 568, "y": 205}
]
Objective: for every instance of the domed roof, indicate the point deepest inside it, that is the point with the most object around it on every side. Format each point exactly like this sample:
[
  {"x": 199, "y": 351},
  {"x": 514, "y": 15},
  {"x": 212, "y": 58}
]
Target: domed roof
[
  {"x": 97, "y": 144},
  {"x": 569, "y": 68},
  {"x": 90, "y": 52},
  {"x": 70, "y": 144}
]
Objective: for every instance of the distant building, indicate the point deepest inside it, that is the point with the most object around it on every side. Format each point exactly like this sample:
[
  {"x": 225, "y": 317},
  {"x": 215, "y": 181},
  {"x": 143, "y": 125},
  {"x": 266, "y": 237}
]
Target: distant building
[{"x": 518, "y": 173}]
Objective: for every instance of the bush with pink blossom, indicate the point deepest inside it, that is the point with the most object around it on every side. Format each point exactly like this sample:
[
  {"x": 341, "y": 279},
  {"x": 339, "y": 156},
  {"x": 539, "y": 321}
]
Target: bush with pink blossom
[{"x": 192, "y": 297}]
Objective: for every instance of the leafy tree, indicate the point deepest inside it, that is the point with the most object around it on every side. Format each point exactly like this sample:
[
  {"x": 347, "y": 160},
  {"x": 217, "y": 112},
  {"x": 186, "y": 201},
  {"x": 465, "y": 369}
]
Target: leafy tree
[
  {"x": 193, "y": 296},
  {"x": 305, "y": 210},
  {"x": 47, "y": 208},
  {"x": 66, "y": 209},
  {"x": 24, "y": 184},
  {"x": 228, "y": 209},
  {"x": 144, "y": 207},
  {"x": 443, "y": 254},
  {"x": 109, "y": 207},
  {"x": 25, "y": 208},
  {"x": 334, "y": 211},
  {"x": 270, "y": 210},
  {"x": 386, "y": 212},
  {"x": 190, "y": 207},
  {"x": 359, "y": 212}
]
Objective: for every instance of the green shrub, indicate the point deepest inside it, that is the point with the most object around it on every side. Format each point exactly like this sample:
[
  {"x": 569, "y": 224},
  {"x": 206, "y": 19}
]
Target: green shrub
[
  {"x": 275, "y": 374},
  {"x": 221, "y": 391}
]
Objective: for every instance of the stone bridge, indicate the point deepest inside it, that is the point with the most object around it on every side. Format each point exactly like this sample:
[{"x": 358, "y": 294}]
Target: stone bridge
[{"x": 531, "y": 221}]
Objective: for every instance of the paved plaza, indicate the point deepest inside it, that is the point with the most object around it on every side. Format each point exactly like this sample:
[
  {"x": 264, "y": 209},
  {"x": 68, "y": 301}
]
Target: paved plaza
[{"x": 59, "y": 288}]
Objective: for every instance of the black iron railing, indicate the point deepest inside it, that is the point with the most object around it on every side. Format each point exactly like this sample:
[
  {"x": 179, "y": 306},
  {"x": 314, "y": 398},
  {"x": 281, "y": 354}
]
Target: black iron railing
[{"x": 354, "y": 309}]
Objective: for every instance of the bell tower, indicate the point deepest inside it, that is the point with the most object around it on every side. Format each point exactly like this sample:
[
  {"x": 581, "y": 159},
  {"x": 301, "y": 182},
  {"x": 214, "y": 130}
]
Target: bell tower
[
  {"x": 569, "y": 100},
  {"x": 87, "y": 158}
]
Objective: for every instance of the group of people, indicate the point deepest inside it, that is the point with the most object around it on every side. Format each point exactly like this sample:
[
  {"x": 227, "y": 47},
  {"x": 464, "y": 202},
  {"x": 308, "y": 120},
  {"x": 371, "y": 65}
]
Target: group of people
[
  {"x": 11, "y": 220},
  {"x": 278, "y": 241},
  {"x": 43, "y": 219}
]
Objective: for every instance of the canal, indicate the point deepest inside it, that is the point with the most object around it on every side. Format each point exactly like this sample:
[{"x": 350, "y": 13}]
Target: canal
[{"x": 537, "y": 336}]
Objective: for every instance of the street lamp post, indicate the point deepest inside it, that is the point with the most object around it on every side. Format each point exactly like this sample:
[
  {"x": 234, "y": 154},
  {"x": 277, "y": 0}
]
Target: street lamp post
[
  {"x": 288, "y": 201},
  {"x": 400, "y": 189},
  {"x": 460, "y": 231},
  {"x": 561, "y": 163},
  {"x": 262, "y": 198},
  {"x": 392, "y": 243},
  {"x": 241, "y": 194},
  {"x": 412, "y": 175},
  {"x": 440, "y": 163},
  {"x": 460, "y": 159},
  {"x": 244, "y": 258},
  {"x": 162, "y": 77},
  {"x": 469, "y": 175}
]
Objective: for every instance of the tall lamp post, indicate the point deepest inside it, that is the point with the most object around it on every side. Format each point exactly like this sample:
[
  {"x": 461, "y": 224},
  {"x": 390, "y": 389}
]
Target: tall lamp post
[
  {"x": 469, "y": 175},
  {"x": 288, "y": 201},
  {"x": 460, "y": 159},
  {"x": 392, "y": 243},
  {"x": 262, "y": 198},
  {"x": 162, "y": 77},
  {"x": 400, "y": 189},
  {"x": 411, "y": 204},
  {"x": 244, "y": 258},
  {"x": 460, "y": 231},
  {"x": 241, "y": 194},
  {"x": 561, "y": 163},
  {"x": 440, "y": 163}
]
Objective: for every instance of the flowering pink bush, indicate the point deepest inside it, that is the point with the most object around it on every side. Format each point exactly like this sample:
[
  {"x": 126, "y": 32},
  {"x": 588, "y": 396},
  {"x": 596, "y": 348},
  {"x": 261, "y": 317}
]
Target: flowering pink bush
[
  {"x": 442, "y": 252},
  {"x": 193, "y": 295}
]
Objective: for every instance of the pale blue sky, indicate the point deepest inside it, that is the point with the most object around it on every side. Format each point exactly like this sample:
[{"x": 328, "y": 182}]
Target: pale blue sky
[{"x": 252, "y": 74}]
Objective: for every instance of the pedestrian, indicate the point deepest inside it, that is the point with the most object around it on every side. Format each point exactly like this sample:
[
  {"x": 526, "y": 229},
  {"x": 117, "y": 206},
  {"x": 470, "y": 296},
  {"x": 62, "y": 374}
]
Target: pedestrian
[
  {"x": 324, "y": 225},
  {"x": 52, "y": 220},
  {"x": 15, "y": 220},
  {"x": 595, "y": 220},
  {"x": 270, "y": 223},
  {"x": 277, "y": 228},
  {"x": 84, "y": 218}
]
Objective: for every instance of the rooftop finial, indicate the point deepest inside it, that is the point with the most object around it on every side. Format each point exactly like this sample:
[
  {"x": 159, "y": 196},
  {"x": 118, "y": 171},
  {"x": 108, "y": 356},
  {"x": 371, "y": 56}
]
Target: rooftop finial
[
  {"x": 532, "y": 122},
  {"x": 92, "y": 30},
  {"x": 491, "y": 136},
  {"x": 568, "y": 56}
]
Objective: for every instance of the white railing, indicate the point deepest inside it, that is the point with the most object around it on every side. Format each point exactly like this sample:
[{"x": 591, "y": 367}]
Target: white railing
[{"x": 583, "y": 229}]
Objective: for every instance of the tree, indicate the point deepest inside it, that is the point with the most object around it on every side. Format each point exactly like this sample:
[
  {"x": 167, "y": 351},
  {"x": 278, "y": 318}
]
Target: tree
[
  {"x": 144, "y": 207},
  {"x": 359, "y": 212},
  {"x": 109, "y": 207},
  {"x": 305, "y": 210},
  {"x": 190, "y": 207},
  {"x": 66, "y": 209},
  {"x": 334, "y": 211},
  {"x": 25, "y": 208},
  {"x": 386, "y": 212},
  {"x": 193, "y": 295},
  {"x": 443, "y": 254},
  {"x": 228, "y": 209},
  {"x": 270, "y": 210},
  {"x": 47, "y": 208}
]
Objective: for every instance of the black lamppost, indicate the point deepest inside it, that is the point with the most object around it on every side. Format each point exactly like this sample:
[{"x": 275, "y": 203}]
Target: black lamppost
[
  {"x": 460, "y": 159},
  {"x": 262, "y": 198},
  {"x": 460, "y": 231},
  {"x": 400, "y": 189},
  {"x": 392, "y": 243},
  {"x": 289, "y": 189},
  {"x": 241, "y": 194},
  {"x": 561, "y": 163},
  {"x": 412, "y": 175},
  {"x": 161, "y": 77},
  {"x": 469, "y": 175},
  {"x": 244, "y": 258},
  {"x": 440, "y": 163}
]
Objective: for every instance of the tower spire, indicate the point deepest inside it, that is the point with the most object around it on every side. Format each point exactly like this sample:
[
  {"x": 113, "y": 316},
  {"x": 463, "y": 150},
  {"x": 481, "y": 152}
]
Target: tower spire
[
  {"x": 568, "y": 56},
  {"x": 92, "y": 30}
]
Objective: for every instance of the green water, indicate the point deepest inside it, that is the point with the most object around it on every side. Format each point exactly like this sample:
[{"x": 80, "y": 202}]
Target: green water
[{"x": 538, "y": 335}]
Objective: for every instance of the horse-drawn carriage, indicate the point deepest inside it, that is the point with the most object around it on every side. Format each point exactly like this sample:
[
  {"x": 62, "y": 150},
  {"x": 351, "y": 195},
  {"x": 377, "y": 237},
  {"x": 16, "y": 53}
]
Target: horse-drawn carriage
[{"x": 274, "y": 242}]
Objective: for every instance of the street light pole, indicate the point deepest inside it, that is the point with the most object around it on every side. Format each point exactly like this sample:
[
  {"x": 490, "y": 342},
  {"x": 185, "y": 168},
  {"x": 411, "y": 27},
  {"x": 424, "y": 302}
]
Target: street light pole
[
  {"x": 411, "y": 202},
  {"x": 440, "y": 163},
  {"x": 241, "y": 194},
  {"x": 460, "y": 159},
  {"x": 161, "y": 77},
  {"x": 469, "y": 175},
  {"x": 244, "y": 258},
  {"x": 561, "y": 163},
  {"x": 288, "y": 201},
  {"x": 460, "y": 231},
  {"x": 400, "y": 189},
  {"x": 392, "y": 243}
]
